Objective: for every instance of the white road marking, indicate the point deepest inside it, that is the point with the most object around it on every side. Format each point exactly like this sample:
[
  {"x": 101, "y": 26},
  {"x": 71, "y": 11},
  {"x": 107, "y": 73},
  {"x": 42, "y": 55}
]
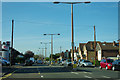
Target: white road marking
[
  {"x": 41, "y": 76},
  {"x": 38, "y": 70},
  {"x": 87, "y": 72},
  {"x": 74, "y": 73},
  {"x": 106, "y": 77},
  {"x": 87, "y": 76}
]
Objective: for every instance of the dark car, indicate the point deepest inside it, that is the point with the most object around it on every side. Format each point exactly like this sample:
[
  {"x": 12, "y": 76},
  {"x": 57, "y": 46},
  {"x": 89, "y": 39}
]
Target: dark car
[
  {"x": 28, "y": 63},
  {"x": 116, "y": 65},
  {"x": 106, "y": 63},
  {"x": 39, "y": 62}
]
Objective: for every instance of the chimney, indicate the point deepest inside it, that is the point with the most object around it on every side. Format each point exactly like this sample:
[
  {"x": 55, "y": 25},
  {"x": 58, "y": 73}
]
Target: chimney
[
  {"x": 104, "y": 42},
  {"x": 66, "y": 50},
  {"x": 114, "y": 43},
  {"x": 91, "y": 45}
]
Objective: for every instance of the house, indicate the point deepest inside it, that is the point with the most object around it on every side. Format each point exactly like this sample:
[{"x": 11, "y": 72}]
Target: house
[
  {"x": 76, "y": 54},
  {"x": 107, "y": 49},
  {"x": 88, "y": 51},
  {"x": 80, "y": 51},
  {"x": 0, "y": 49},
  {"x": 0, "y": 46}
]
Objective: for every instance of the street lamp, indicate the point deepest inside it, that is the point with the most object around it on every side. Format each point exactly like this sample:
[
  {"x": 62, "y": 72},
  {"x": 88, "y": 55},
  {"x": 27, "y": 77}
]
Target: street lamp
[
  {"x": 45, "y": 49},
  {"x": 51, "y": 43},
  {"x": 72, "y": 23}
]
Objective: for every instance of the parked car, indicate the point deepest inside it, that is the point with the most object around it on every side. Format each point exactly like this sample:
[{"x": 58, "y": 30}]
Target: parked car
[
  {"x": 116, "y": 65},
  {"x": 62, "y": 63},
  {"x": 39, "y": 62},
  {"x": 79, "y": 62},
  {"x": 53, "y": 62},
  {"x": 7, "y": 62},
  {"x": 3, "y": 63},
  {"x": 106, "y": 63},
  {"x": 68, "y": 62},
  {"x": 85, "y": 63},
  {"x": 28, "y": 63}
]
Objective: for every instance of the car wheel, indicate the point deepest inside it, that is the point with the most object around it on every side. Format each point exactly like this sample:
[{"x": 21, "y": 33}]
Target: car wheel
[
  {"x": 113, "y": 68},
  {"x": 100, "y": 67},
  {"x": 106, "y": 68},
  {"x": 82, "y": 65}
]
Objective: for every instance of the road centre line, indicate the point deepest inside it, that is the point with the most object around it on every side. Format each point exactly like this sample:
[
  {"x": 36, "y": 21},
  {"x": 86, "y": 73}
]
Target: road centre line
[{"x": 38, "y": 70}]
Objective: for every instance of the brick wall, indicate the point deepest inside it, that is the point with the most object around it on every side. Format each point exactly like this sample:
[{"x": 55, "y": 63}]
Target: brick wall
[
  {"x": 91, "y": 56},
  {"x": 110, "y": 53}
]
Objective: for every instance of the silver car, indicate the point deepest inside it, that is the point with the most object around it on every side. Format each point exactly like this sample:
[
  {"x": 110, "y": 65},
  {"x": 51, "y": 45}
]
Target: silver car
[
  {"x": 85, "y": 63},
  {"x": 68, "y": 62}
]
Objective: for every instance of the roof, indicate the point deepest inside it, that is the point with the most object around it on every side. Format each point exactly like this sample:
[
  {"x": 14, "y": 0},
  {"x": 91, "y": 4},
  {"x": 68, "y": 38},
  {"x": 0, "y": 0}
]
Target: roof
[
  {"x": 108, "y": 46},
  {"x": 90, "y": 45},
  {"x": 81, "y": 46}
]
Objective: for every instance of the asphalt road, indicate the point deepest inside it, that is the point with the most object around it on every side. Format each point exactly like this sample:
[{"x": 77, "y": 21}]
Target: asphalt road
[{"x": 61, "y": 72}]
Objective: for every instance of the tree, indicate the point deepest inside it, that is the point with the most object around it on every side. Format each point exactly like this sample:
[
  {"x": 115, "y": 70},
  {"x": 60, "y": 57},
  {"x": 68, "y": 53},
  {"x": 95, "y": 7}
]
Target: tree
[
  {"x": 47, "y": 58},
  {"x": 57, "y": 55},
  {"x": 28, "y": 54},
  {"x": 36, "y": 57}
]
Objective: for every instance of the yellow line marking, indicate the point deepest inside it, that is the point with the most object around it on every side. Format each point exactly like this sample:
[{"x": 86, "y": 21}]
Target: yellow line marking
[
  {"x": 39, "y": 73},
  {"x": 7, "y": 75}
]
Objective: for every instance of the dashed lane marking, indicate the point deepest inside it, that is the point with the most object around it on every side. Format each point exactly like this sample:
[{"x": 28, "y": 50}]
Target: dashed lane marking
[
  {"x": 106, "y": 77},
  {"x": 42, "y": 76},
  {"x": 74, "y": 73},
  {"x": 87, "y": 76},
  {"x": 87, "y": 72}
]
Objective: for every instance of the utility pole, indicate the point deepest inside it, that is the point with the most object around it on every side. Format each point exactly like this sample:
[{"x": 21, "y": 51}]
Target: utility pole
[
  {"x": 51, "y": 48},
  {"x": 42, "y": 53},
  {"x": 95, "y": 44},
  {"x": 60, "y": 53},
  {"x": 45, "y": 51},
  {"x": 51, "y": 45},
  {"x": 11, "y": 43},
  {"x": 72, "y": 33}
]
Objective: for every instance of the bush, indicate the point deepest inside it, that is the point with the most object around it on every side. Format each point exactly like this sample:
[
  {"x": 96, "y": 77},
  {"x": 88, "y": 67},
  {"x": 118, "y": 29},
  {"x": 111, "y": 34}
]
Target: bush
[{"x": 97, "y": 63}]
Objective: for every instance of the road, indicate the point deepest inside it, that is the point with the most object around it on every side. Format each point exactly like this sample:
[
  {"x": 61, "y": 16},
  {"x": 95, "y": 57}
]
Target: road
[{"x": 61, "y": 72}]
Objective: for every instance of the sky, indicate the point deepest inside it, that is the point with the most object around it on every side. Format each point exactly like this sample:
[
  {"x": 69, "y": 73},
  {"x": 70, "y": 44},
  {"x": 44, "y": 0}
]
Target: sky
[{"x": 33, "y": 19}]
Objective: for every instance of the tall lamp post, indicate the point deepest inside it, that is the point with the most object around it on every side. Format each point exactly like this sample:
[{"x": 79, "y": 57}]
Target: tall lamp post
[
  {"x": 72, "y": 43},
  {"x": 51, "y": 44},
  {"x": 12, "y": 43},
  {"x": 45, "y": 49}
]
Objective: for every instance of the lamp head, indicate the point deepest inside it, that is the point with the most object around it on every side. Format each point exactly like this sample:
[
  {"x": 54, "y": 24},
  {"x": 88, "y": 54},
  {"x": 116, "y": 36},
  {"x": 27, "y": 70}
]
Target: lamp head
[{"x": 56, "y": 2}]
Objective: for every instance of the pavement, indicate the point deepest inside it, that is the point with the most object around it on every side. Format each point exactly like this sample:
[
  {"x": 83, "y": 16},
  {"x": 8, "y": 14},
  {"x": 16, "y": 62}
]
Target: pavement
[{"x": 8, "y": 69}]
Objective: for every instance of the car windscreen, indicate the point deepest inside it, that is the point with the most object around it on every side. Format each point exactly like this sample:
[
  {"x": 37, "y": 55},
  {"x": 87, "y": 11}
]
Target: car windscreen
[
  {"x": 109, "y": 60},
  {"x": 86, "y": 61}
]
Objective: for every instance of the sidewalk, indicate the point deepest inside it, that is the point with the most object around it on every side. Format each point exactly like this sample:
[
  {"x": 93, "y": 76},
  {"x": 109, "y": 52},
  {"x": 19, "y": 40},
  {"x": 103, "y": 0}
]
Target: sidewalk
[{"x": 9, "y": 69}]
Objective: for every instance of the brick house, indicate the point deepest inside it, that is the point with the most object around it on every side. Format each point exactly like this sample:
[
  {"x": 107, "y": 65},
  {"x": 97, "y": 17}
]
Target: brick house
[
  {"x": 88, "y": 51},
  {"x": 105, "y": 49}
]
